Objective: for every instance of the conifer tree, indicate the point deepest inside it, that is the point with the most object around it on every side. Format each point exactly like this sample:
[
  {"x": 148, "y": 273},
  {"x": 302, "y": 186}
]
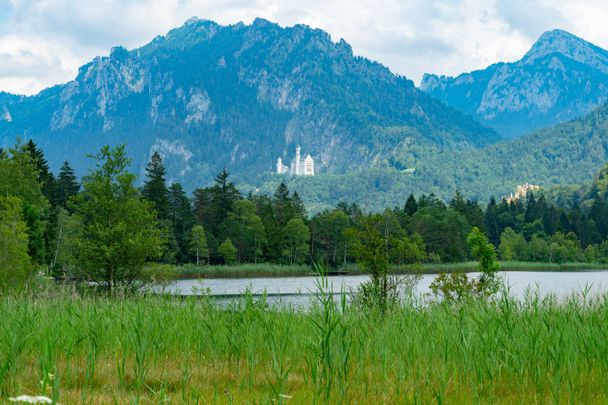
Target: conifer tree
[
  {"x": 283, "y": 205},
  {"x": 155, "y": 188},
  {"x": 182, "y": 220},
  {"x": 411, "y": 205},
  {"x": 66, "y": 186},
  {"x": 45, "y": 176}
]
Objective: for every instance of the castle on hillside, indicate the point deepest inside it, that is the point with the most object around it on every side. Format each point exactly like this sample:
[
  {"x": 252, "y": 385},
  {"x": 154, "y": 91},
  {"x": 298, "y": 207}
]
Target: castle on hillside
[
  {"x": 521, "y": 192},
  {"x": 299, "y": 166}
]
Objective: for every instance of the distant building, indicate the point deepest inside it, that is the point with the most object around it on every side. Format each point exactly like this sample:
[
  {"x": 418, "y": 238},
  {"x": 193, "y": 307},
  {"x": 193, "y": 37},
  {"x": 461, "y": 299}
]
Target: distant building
[
  {"x": 299, "y": 166},
  {"x": 521, "y": 191}
]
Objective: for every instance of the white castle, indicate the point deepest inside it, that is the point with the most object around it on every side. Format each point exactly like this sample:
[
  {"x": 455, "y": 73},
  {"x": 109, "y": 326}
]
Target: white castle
[{"x": 298, "y": 166}]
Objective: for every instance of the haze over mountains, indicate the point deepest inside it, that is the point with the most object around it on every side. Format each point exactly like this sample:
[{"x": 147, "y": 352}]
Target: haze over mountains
[
  {"x": 561, "y": 77},
  {"x": 208, "y": 96}
]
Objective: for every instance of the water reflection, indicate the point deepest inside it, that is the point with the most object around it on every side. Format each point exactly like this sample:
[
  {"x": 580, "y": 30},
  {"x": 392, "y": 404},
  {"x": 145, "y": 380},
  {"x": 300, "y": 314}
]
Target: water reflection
[{"x": 300, "y": 290}]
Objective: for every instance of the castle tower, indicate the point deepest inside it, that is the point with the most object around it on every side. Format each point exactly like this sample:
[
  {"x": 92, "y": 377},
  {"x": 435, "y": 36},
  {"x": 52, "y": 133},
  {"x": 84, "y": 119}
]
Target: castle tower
[
  {"x": 309, "y": 166},
  {"x": 296, "y": 163},
  {"x": 279, "y": 166}
]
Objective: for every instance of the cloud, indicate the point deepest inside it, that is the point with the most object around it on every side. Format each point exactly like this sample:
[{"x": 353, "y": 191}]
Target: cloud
[{"x": 43, "y": 42}]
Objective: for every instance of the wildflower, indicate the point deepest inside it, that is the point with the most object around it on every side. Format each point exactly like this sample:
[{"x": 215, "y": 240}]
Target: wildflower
[{"x": 28, "y": 399}]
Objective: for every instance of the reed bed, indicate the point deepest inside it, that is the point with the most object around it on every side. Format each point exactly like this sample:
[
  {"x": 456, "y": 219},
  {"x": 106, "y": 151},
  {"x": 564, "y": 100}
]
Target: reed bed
[
  {"x": 278, "y": 270},
  {"x": 167, "y": 350}
]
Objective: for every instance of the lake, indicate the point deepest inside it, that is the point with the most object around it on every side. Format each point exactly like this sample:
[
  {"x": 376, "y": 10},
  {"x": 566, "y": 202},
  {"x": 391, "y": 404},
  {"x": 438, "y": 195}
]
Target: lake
[{"x": 300, "y": 290}]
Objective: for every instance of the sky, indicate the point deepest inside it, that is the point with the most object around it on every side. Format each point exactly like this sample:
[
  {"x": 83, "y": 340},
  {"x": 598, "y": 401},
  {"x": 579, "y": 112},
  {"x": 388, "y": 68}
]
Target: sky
[{"x": 44, "y": 42}]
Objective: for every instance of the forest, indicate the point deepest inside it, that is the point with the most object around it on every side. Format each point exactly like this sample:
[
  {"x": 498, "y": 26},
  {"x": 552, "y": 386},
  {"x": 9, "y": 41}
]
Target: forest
[{"x": 105, "y": 225}]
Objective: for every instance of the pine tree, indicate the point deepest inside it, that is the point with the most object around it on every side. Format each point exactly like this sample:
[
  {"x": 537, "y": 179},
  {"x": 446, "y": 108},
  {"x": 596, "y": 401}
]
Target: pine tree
[
  {"x": 283, "y": 205},
  {"x": 155, "y": 188},
  {"x": 182, "y": 220},
  {"x": 411, "y": 205},
  {"x": 45, "y": 177},
  {"x": 66, "y": 186}
]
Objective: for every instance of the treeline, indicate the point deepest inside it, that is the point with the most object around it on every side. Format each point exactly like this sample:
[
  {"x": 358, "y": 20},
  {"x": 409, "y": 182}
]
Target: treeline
[
  {"x": 227, "y": 227},
  {"x": 107, "y": 228}
]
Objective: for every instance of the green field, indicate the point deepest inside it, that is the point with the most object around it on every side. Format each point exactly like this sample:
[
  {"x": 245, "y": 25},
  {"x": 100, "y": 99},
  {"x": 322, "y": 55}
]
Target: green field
[
  {"x": 166, "y": 350},
  {"x": 270, "y": 270}
]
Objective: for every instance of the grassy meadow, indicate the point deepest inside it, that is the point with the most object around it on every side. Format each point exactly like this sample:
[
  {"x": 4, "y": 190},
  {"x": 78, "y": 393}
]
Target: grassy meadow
[{"x": 168, "y": 350}]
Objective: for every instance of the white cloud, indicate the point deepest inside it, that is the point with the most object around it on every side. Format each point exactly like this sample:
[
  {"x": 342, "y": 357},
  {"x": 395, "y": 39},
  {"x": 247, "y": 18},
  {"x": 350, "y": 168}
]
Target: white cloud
[{"x": 43, "y": 42}]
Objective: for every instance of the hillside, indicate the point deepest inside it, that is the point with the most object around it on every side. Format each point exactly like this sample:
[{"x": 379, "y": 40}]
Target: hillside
[
  {"x": 560, "y": 78},
  {"x": 208, "y": 96}
]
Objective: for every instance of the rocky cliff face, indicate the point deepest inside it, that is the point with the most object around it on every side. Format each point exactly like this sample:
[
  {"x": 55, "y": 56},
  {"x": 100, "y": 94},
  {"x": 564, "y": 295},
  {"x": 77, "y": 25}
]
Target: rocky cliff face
[
  {"x": 208, "y": 96},
  {"x": 560, "y": 78}
]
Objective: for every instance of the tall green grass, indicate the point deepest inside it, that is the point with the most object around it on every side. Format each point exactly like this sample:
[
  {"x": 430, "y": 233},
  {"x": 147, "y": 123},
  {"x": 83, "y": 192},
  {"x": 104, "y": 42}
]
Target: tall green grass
[
  {"x": 160, "y": 349},
  {"x": 276, "y": 270}
]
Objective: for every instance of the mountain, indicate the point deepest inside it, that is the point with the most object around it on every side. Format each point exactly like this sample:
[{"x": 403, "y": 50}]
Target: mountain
[
  {"x": 564, "y": 154},
  {"x": 560, "y": 78},
  {"x": 208, "y": 96}
]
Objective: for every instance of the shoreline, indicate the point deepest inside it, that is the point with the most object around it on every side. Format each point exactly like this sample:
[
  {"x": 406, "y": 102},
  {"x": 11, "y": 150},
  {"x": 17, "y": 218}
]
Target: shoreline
[{"x": 274, "y": 270}]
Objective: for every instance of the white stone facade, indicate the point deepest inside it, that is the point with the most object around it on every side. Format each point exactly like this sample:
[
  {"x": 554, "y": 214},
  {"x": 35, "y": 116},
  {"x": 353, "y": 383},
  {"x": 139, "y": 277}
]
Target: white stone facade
[{"x": 299, "y": 166}]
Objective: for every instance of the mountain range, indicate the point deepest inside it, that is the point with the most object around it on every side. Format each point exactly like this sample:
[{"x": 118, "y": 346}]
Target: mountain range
[
  {"x": 560, "y": 78},
  {"x": 209, "y": 96}
]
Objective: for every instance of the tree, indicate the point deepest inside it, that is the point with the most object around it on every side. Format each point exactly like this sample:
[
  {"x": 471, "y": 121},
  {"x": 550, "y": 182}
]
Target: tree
[
  {"x": 411, "y": 206},
  {"x": 45, "y": 176},
  {"x": 181, "y": 220},
  {"x": 512, "y": 246},
  {"x": 15, "y": 263},
  {"x": 199, "y": 243},
  {"x": 443, "y": 231},
  {"x": 224, "y": 195},
  {"x": 282, "y": 205},
  {"x": 330, "y": 242},
  {"x": 155, "y": 188},
  {"x": 482, "y": 251},
  {"x": 457, "y": 286},
  {"x": 119, "y": 229},
  {"x": 408, "y": 250},
  {"x": 228, "y": 252},
  {"x": 19, "y": 178},
  {"x": 63, "y": 260},
  {"x": 245, "y": 228},
  {"x": 66, "y": 186},
  {"x": 296, "y": 236},
  {"x": 369, "y": 248}
]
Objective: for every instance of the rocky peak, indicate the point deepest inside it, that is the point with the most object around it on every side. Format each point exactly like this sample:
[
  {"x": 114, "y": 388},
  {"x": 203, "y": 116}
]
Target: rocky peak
[{"x": 569, "y": 45}]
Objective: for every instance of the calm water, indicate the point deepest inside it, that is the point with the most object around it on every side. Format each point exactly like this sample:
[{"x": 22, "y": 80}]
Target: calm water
[{"x": 300, "y": 290}]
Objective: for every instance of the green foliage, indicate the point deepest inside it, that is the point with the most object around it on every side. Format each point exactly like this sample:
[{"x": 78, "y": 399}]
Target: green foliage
[
  {"x": 64, "y": 261},
  {"x": 199, "y": 244},
  {"x": 66, "y": 186},
  {"x": 443, "y": 231},
  {"x": 245, "y": 228},
  {"x": 19, "y": 177},
  {"x": 228, "y": 252},
  {"x": 119, "y": 231},
  {"x": 458, "y": 286},
  {"x": 15, "y": 264},
  {"x": 181, "y": 220},
  {"x": 483, "y": 251},
  {"x": 296, "y": 237},
  {"x": 155, "y": 188},
  {"x": 512, "y": 246}
]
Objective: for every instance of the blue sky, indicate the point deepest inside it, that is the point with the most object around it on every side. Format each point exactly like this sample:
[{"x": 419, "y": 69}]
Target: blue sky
[{"x": 43, "y": 42}]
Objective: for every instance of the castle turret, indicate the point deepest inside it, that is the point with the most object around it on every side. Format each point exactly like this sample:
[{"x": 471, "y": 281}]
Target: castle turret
[
  {"x": 296, "y": 163},
  {"x": 309, "y": 166}
]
